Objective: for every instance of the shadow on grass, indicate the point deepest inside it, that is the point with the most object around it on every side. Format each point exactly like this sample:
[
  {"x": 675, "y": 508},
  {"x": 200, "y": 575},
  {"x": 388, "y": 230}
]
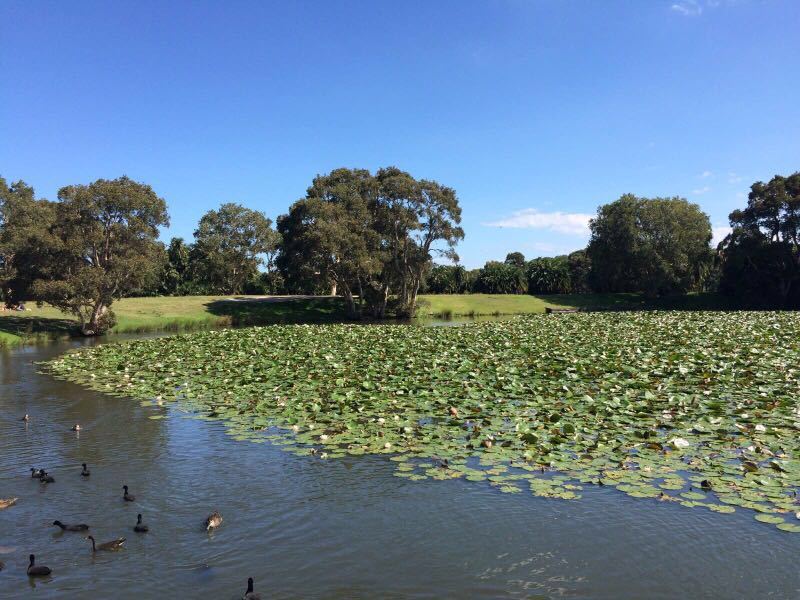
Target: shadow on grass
[
  {"x": 600, "y": 302},
  {"x": 269, "y": 311},
  {"x": 30, "y": 327}
]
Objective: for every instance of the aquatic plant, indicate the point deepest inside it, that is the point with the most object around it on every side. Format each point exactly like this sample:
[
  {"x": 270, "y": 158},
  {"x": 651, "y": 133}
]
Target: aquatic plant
[{"x": 701, "y": 409}]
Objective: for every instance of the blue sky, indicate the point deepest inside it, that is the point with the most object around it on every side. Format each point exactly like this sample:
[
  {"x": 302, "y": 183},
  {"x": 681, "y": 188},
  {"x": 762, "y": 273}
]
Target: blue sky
[{"x": 534, "y": 111}]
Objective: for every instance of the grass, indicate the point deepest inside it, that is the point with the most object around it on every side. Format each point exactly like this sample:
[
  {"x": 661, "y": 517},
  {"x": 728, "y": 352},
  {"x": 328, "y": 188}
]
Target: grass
[
  {"x": 187, "y": 313},
  {"x": 179, "y": 313}
]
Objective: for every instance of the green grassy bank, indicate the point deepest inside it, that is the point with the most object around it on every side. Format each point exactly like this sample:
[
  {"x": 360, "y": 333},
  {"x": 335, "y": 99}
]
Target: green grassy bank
[{"x": 186, "y": 313}]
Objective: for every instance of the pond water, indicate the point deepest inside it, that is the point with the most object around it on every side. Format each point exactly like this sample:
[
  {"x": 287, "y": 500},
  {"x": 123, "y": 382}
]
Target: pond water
[{"x": 305, "y": 528}]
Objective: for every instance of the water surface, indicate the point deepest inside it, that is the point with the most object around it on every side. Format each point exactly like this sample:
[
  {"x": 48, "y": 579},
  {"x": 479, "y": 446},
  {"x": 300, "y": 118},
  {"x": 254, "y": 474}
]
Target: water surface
[{"x": 307, "y": 528}]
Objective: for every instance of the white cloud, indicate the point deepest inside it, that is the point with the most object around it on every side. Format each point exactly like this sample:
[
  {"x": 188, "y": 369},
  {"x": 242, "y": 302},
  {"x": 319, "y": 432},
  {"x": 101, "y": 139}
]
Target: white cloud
[
  {"x": 718, "y": 234},
  {"x": 702, "y": 190},
  {"x": 687, "y": 8},
  {"x": 531, "y": 218},
  {"x": 705, "y": 175},
  {"x": 734, "y": 178}
]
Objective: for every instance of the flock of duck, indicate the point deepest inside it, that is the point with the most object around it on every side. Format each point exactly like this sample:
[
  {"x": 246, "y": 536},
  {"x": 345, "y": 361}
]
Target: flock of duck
[{"x": 211, "y": 522}]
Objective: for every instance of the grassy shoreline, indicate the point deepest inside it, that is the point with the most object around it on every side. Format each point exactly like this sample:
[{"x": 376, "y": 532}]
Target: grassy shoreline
[{"x": 191, "y": 313}]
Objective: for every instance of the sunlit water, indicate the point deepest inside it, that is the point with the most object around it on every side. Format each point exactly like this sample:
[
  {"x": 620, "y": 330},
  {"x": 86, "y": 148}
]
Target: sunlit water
[{"x": 308, "y": 528}]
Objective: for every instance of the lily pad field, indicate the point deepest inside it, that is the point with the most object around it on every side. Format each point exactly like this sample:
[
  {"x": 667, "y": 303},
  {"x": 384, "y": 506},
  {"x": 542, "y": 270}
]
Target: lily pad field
[{"x": 700, "y": 409}]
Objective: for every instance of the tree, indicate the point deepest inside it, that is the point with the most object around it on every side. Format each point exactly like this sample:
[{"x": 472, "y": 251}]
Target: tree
[
  {"x": 368, "y": 236},
  {"x": 105, "y": 246},
  {"x": 500, "y": 278},
  {"x": 328, "y": 238},
  {"x": 549, "y": 276},
  {"x": 412, "y": 216},
  {"x": 230, "y": 244},
  {"x": 447, "y": 279},
  {"x": 760, "y": 259},
  {"x": 579, "y": 268},
  {"x": 657, "y": 246},
  {"x": 175, "y": 272},
  {"x": 516, "y": 259},
  {"x": 25, "y": 239}
]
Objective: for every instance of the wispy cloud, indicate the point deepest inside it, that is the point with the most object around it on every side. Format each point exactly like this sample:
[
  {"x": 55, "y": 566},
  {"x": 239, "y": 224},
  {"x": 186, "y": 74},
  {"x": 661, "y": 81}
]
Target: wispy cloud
[
  {"x": 705, "y": 174},
  {"x": 734, "y": 178},
  {"x": 702, "y": 190},
  {"x": 687, "y": 8},
  {"x": 531, "y": 218}
]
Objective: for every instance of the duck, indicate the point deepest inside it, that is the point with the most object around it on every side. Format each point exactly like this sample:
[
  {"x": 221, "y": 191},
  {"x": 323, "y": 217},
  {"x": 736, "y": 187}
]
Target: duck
[
  {"x": 73, "y": 527},
  {"x": 250, "y": 594},
  {"x": 140, "y": 527},
  {"x": 126, "y": 496},
  {"x": 37, "y": 570},
  {"x": 45, "y": 478},
  {"x": 85, "y": 472},
  {"x": 76, "y": 427},
  {"x": 36, "y": 472},
  {"x": 25, "y": 418},
  {"x": 6, "y": 502},
  {"x": 111, "y": 546},
  {"x": 213, "y": 520}
]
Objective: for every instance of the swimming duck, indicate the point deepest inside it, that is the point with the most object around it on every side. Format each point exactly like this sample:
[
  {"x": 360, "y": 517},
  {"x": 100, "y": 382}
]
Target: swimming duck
[
  {"x": 213, "y": 520},
  {"x": 76, "y": 427},
  {"x": 111, "y": 546},
  {"x": 250, "y": 594},
  {"x": 45, "y": 478},
  {"x": 5, "y": 503},
  {"x": 36, "y": 472},
  {"x": 85, "y": 472},
  {"x": 140, "y": 527},
  {"x": 75, "y": 527},
  {"x": 126, "y": 496},
  {"x": 25, "y": 418},
  {"x": 37, "y": 570}
]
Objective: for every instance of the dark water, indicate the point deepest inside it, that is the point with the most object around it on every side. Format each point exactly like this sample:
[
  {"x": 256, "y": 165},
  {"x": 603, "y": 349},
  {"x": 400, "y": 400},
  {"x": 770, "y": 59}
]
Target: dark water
[{"x": 306, "y": 528}]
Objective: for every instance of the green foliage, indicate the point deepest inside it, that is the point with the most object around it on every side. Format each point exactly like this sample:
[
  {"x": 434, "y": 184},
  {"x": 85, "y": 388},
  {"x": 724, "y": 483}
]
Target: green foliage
[
  {"x": 25, "y": 239},
  {"x": 760, "y": 259},
  {"x": 549, "y": 276},
  {"x": 103, "y": 246},
  {"x": 656, "y": 246},
  {"x": 447, "y": 279},
  {"x": 516, "y": 259},
  {"x": 230, "y": 244},
  {"x": 694, "y": 408},
  {"x": 501, "y": 278},
  {"x": 579, "y": 268},
  {"x": 368, "y": 236}
]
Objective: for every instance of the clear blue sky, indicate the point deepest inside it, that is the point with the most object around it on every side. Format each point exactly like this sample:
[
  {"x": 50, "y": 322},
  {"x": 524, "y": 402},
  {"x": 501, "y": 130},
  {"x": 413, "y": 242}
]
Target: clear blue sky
[{"x": 534, "y": 111}]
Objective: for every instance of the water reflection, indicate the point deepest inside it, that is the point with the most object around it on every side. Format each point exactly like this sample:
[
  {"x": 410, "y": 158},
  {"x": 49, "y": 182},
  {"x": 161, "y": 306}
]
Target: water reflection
[{"x": 307, "y": 528}]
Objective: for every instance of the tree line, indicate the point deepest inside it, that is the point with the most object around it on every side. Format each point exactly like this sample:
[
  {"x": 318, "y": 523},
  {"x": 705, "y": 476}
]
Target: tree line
[
  {"x": 660, "y": 247},
  {"x": 374, "y": 239}
]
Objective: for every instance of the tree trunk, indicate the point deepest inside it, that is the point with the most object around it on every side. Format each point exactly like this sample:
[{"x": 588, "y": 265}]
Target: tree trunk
[
  {"x": 333, "y": 288},
  {"x": 93, "y": 326}
]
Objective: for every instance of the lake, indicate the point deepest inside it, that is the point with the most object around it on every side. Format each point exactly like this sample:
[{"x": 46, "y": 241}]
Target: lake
[{"x": 346, "y": 528}]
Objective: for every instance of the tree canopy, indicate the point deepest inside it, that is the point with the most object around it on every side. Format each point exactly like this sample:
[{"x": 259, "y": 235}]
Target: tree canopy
[
  {"x": 657, "y": 246},
  {"x": 104, "y": 245},
  {"x": 230, "y": 244},
  {"x": 369, "y": 236},
  {"x": 25, "y": 239},
  {"x": 760, "y": 259}
]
